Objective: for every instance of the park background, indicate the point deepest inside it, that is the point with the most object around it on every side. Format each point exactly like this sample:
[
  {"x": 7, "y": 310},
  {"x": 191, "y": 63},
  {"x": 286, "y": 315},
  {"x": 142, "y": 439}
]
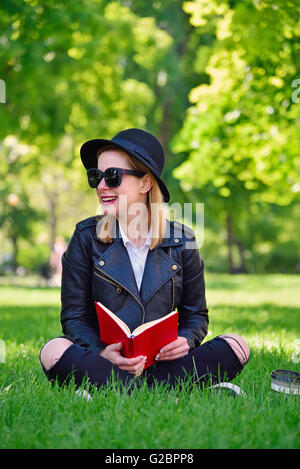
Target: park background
[{"x": 218, "y": 82}]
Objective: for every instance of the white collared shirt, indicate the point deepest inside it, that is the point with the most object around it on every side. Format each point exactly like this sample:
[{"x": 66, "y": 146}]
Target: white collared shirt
[{"x": 137, "y": 255}]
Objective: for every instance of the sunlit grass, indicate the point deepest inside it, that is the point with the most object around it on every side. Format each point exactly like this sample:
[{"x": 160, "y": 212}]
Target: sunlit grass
[{"x": 33, "y": 414}]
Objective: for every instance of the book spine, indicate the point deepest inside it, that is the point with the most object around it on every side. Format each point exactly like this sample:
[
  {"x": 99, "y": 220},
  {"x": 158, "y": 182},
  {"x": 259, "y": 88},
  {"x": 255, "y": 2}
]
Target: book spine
[{"x": 131, "y": 346}]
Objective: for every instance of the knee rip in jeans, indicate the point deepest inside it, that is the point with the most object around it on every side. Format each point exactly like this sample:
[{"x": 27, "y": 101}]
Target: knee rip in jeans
[
  {"x": 239, "y": 347},
  {"x": 52, "y": 352}
]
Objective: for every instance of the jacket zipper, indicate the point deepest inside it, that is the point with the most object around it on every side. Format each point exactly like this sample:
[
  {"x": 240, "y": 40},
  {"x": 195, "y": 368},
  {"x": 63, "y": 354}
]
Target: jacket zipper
[
  {"x": 107, "y": 280},
  {"x": 173, "y": 294},
  {"x": 114, "y": 283},
  {"x": 173, "y": 284}
]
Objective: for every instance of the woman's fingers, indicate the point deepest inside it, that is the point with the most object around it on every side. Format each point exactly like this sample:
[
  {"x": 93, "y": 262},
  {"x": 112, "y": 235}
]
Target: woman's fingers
[
  {"x": 129, "y": 362},
  {"x": 134, "y": 370},
  {"x": 176, "y": 349},
  {"x": 113, "y": 353},
  {"x": 173, "y": 355},
  {"x": 131, "y": 365}
]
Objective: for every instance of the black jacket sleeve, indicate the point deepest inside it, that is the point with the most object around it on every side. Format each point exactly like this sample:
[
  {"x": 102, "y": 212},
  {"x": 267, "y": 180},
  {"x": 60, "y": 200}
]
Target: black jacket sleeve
[
  {"x": 193, "y": 314},
  {"x": 77, "y": 309}
]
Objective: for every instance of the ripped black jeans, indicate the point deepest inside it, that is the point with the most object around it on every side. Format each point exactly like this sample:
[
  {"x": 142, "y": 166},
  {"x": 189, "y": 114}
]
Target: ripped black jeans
[{"x": 210, "y": 363}]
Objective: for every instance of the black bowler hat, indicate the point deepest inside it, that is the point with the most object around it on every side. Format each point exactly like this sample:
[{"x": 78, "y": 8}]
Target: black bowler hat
[{"x": 137, "y": 142}]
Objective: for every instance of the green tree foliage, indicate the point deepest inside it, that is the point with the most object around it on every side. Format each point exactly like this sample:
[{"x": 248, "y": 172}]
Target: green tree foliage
[
  {"x": 18, "y": 217},
  {"x": 73, "y": 70},
  {"x": 86, "y": 69},
  {"x": 241, "y": 134},
  {"x": 65, "y": 65}
]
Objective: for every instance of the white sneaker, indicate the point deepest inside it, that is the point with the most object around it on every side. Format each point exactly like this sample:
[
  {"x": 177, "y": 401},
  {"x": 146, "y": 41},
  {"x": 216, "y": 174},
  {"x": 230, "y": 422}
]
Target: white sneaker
[
  {"x": 231, "y": 389},
  {"x": 84, "y": 394}
]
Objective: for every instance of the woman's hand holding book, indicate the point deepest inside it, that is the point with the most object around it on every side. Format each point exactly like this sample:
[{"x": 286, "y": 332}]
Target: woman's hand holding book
[
  {"x": 133, "y": 366},
  {"x": 175, "y": 349}
]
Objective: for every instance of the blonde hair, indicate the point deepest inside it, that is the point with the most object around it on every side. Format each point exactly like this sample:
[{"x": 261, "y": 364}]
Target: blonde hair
[{"x": 155, "y": 205}]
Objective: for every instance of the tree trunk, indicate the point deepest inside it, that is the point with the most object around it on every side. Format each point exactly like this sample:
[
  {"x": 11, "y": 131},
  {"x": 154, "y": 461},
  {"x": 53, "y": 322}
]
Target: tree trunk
[
  {"x": 52, "y": 203},
  {"x": 242, "y": 267},
  {"x": 53, "y": 220},
  {"x": 14, "y": 240},
  {"x": 230, "y": 243},
  {"x": 164, "y": 134}
]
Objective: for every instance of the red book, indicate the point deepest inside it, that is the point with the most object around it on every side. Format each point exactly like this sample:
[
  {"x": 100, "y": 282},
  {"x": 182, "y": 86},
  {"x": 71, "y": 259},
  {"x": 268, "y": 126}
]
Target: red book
[{"x": 146, "y": 340}]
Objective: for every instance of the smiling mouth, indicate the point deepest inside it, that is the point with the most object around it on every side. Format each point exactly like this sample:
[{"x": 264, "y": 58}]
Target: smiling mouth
[{"x": 107, "y": 200}]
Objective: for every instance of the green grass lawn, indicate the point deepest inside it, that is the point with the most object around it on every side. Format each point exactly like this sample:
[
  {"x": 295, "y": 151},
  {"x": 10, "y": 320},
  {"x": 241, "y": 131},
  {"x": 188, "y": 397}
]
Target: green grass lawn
[{"x": 33, "y": 414}]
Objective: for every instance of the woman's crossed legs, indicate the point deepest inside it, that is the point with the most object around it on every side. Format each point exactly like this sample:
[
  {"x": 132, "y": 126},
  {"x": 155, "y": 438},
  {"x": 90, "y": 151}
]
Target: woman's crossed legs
[{"x": 219, "y": 359}]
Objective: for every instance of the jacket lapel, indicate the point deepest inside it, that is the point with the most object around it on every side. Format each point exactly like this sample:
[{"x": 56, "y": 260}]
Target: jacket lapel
[
  {"x": 159, "y": 266},
  {"x": 115, "y": 263}
]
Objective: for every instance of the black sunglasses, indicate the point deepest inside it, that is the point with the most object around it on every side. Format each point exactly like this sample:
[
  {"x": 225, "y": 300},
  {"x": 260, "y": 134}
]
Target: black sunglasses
[{"x": 112, "y": 176}]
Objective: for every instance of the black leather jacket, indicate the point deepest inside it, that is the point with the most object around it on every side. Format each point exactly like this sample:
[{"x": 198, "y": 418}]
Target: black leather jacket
[{"x": 96, "y": 271}]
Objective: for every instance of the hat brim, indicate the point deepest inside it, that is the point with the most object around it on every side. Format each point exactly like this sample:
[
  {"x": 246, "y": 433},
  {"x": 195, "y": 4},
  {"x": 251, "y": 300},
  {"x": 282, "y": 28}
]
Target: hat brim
[{"x": 88, "y": 154}]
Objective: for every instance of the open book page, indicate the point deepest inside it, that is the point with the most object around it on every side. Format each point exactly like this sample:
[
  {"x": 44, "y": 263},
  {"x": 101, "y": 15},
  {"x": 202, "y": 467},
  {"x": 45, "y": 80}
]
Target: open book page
[
  {"x": 145, "y": 326},
  {"x": 147, "y": 339},
  {"x": 119, "y": 321}
]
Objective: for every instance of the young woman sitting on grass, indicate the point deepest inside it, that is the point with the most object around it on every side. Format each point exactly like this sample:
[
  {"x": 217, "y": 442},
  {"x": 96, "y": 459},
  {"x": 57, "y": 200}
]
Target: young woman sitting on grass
[{"x": 141, "y": 272}]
